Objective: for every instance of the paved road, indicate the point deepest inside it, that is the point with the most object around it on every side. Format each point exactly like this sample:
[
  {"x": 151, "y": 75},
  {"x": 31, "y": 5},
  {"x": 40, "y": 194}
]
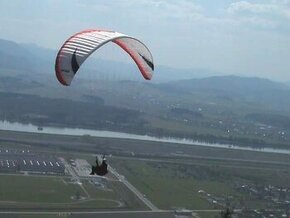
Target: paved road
[
  {"x": 75, "y": 177},
  {"x": 119, "y": 177},
  {"x": 92, "y": 214},
  {"x": 88, "y": 212},
  {"x": 133, "y": 189}
]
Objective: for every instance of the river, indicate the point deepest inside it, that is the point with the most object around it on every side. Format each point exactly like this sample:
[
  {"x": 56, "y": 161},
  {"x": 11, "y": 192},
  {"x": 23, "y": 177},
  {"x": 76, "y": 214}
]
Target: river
[{"x": 5, "y": 125}]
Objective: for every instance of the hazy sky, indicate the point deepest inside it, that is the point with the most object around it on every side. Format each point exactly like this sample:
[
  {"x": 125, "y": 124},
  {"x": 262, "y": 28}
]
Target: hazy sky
[{"x": 233, "y": 37}]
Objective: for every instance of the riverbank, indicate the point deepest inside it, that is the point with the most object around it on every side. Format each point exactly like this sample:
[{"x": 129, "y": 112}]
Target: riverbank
[
  {"x": 129, "y": 147},
  {"x": 30, "y": 128}
]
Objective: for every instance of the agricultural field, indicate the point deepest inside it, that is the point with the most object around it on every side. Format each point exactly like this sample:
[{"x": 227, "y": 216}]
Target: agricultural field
[{"x": 200, "y": 186}]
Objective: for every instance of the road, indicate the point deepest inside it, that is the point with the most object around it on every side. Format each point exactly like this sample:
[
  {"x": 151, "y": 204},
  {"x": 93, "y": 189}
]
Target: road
[
  {"x": 75, "y": 177},
  {"x": 133, "y": 189},
  {"x": 122, "y": 179},
  {"x": 91, "y": 214}
]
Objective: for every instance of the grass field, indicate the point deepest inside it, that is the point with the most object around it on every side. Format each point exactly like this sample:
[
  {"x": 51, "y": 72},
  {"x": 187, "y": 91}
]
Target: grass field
[
  {"x": 176, "y": 185},
  {"x": 162, "y": 188},
  {"x": 50, "y": 192},
  {"x": 36, "y": 189},
  {"x": 115, "y": 193}
]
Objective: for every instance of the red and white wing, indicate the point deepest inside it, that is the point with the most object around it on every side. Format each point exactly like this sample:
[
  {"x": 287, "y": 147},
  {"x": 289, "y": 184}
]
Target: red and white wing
[{"x": 80, "y": 46}]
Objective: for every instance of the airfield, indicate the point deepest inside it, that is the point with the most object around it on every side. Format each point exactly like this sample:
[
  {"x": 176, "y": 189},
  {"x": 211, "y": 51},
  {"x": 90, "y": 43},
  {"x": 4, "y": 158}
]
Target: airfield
[{"x": 48, "y": 175}]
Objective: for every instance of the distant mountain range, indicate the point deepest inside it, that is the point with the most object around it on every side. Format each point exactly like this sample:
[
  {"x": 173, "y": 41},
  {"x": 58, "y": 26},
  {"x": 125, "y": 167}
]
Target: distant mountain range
[
  {"x": 255, "y": 91},
  {"x": 33, "y": 58},
  {"x": 230, "y": 83},
  {"x": 13, "y": 56},
  {"x": 37, "y": 64},
  {"x": 34, "y": 61}
]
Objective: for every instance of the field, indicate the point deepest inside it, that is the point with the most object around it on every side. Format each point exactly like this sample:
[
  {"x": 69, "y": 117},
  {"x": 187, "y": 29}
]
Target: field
[
  {"x": 47, "y": 190},
  {"x": 177, "y": 185},
  {"x": 50, "y": 192}
]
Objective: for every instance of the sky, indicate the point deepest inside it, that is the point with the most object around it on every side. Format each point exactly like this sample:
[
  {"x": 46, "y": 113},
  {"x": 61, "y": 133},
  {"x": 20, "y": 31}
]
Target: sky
[{"x": 249, "y": 38}]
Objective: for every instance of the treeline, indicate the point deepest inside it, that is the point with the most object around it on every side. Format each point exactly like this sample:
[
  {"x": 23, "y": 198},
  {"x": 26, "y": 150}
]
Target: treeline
[
  {"x": 63, "y": 112},
  {"x": 94, "y": 114},
  {"x": 210, "y": 138}
]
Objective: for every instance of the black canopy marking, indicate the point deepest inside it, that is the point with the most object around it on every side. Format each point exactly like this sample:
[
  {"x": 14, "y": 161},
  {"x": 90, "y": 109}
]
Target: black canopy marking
[
  {"x": 150, "y": 64},
  {"x": 74, "y": 64}
]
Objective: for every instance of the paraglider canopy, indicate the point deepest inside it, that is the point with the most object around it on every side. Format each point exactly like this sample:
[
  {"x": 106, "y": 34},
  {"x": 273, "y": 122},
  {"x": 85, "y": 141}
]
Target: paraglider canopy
[{"x": 81, "y": 45}]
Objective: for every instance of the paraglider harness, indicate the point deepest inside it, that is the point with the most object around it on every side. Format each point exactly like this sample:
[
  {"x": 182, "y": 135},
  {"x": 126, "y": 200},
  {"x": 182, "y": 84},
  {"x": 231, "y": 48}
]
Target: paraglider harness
[{"x": 100, "y": 170}]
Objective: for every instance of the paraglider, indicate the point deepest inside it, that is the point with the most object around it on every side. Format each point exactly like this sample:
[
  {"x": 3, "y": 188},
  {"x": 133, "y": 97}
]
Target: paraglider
[
  {"x": 81, "y": 45},
  {"x": 100, "y": 169}
]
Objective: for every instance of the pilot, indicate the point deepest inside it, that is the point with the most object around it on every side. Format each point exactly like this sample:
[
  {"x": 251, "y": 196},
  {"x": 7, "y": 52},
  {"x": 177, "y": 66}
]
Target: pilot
[{"x": 100, "y": 170}]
